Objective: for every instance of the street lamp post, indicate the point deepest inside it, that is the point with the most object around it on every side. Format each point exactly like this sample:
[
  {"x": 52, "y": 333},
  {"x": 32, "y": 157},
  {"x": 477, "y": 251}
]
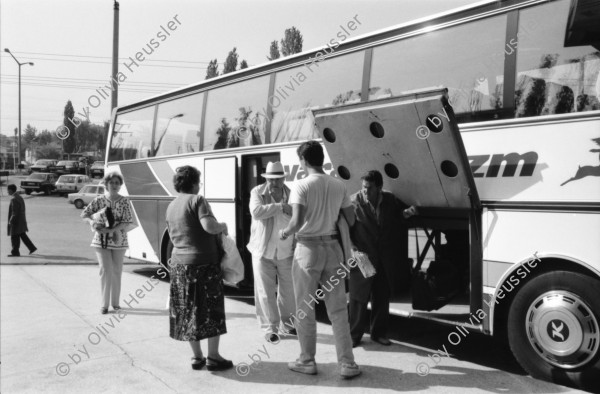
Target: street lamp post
[{"x": 20, "y": 64}]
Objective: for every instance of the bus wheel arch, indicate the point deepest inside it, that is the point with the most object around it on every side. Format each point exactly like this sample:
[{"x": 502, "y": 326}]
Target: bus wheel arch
[
  {"x": 553, "y": 327},
  {"x": 544, "y": 265},
  {"x": 166, "y": 248}
]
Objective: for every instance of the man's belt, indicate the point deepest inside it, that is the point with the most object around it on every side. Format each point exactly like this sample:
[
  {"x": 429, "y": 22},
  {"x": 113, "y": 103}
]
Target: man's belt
[{"x": 317, "y": 237}]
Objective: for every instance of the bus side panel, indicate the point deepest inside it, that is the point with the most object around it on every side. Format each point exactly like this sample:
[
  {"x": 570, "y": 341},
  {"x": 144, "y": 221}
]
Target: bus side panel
[
  {"x": 549, "y": 161},
  {"x": 513, "y": 236}
]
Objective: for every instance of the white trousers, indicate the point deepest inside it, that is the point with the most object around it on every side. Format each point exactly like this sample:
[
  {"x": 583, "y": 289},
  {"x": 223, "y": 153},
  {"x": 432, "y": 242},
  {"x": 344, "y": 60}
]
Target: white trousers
[
  {"x": 111, "y": 269},
  {"x": 274, "y": 293}
]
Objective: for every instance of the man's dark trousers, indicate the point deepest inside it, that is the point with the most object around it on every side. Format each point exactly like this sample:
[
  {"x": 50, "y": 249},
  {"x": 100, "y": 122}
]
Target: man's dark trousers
[
  {"x": 15, "y": 240},
  {"x": 380, "y": 309}
]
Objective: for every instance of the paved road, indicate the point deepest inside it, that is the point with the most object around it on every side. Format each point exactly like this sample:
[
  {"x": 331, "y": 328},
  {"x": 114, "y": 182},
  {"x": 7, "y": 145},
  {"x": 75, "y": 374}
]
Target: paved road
[{"x": 50, "y": 326}]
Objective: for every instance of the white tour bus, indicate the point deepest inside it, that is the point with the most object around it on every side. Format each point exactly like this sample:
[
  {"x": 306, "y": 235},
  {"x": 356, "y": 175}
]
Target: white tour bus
[{"x": 523, "y": 82}]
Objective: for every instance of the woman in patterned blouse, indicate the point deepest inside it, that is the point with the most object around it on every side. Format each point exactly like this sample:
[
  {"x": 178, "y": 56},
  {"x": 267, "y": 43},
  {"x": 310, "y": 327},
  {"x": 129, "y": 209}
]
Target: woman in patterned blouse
[{"x": 110, "y": 243}]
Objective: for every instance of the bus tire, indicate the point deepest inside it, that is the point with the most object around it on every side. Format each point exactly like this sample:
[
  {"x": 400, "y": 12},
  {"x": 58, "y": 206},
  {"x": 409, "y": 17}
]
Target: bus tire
[{"x": 553, "y": 328}]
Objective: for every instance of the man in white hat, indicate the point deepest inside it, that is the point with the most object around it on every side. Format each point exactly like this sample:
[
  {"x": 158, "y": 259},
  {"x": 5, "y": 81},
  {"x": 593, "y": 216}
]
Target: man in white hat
[{"x": 272, "y": 256}]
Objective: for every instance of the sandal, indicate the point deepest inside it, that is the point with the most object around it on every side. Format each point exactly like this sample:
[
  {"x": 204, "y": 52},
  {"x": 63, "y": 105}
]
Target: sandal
[
  {"x": 218, "y": 365},
  {"x": 198, "y": 363}
]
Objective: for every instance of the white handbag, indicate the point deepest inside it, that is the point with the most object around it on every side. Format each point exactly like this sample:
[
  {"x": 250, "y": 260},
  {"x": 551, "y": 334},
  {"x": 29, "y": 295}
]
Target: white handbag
[{"x": 231, "y": 263}]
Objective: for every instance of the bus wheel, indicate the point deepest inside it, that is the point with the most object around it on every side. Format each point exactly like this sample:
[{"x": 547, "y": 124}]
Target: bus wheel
[{"x": 553, "y": 328}]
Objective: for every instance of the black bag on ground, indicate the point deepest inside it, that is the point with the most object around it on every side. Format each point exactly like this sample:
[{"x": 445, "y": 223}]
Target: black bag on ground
[{"x": 435, "y": 287}]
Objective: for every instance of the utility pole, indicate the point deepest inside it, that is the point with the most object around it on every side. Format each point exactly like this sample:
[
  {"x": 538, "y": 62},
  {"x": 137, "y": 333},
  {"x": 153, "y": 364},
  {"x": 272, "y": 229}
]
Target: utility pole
[
  {"x": 20, "y": 64},
  {"x": 115, "y": 60}
]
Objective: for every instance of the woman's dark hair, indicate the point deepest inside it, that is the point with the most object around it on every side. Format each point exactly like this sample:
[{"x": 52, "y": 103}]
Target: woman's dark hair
[
  {"x": 374, "y": 177},
  {"x": 312, "y": 153},
  {"x": 185, "y": 178}
]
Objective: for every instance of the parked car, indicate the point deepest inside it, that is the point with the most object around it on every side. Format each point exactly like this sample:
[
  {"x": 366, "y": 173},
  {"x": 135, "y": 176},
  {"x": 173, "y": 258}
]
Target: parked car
[
  {"x": 97, "y": 169},
  {"x": 67, "y": 167},
  {"x": 71, "y": 183},
  {"x": 40, "y": 182},
  {"x": 85, "y": 195},
  {"x": 44, "y": 166}
]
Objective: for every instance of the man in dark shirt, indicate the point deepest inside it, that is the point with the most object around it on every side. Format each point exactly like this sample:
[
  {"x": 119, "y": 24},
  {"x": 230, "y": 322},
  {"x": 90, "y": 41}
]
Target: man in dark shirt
[{"x": 380, "y": 231}]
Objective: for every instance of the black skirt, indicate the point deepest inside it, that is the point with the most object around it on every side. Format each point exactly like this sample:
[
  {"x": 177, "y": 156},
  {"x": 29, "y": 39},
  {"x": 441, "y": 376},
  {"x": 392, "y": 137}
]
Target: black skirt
[{"x": 197, "y": 305}]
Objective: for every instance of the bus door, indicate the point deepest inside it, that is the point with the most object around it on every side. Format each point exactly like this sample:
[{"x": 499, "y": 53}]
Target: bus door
[
  {"x": 219, "y": 189},
  {"x": 414, "y": 141},
  {"x": 252, "y": 167}
]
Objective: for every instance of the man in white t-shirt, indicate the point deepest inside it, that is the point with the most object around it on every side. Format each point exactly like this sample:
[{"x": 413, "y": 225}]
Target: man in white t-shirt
[{"x": 317, "y": 202}]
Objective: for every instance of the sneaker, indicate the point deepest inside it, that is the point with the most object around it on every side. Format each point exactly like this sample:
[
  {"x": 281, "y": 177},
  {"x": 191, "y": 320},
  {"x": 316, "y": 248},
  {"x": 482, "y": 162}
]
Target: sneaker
[
  {"x": 309, "y": 368},
  {"x": 349, "y": 371},
  {"x": 272, "y": 338}
]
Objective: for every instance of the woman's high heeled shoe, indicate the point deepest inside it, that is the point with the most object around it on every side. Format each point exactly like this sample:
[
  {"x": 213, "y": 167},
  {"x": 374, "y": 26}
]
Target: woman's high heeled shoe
[{"x": 198, "y": 363}]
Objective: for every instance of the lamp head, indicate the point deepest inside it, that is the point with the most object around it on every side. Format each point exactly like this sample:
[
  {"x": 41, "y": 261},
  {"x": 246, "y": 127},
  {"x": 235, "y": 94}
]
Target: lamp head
[
  {"x": 30, "y": 63},
  {"x": 6, "y": 50}
]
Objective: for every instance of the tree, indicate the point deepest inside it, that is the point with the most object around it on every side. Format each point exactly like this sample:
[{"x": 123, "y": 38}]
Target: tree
[
  {"x": 46, "y": 137},
  {"x": 223, "y": 134},
  {"x": 231, "y": 62},
  {"x": 274, "y": 51},
  {"x": 243, "y": 64},
  {"x": 29, "y": 134},
  {"x": 69, "y": 142},
  {"x": 291, "y": 42},
  {"x": 212, "y": 70}
]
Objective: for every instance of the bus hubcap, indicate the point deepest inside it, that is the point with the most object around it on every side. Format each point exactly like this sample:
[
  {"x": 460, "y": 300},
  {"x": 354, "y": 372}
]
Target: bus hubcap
[{"x": 562, "y": 329}]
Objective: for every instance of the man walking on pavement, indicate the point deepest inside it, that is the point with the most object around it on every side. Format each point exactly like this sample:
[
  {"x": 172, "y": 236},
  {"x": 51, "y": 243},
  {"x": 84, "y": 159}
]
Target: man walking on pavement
[
  {"x": 317, "y": 202},
  {"x": 272, "y": 256},
  {"x": 17, "y": 223}
]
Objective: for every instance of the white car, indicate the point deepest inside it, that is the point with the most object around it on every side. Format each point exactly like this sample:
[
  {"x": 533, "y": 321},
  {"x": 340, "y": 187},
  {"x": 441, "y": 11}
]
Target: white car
[
  {"x": 86, "y": 195},
  {"x": 71, "y": 183}
]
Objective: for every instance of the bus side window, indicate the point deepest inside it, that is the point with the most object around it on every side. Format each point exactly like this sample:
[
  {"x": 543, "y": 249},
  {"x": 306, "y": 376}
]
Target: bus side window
[
  {"x": 178, "y": 126},
  {"x": 236, "y": 115},
  {"x": 552, "y": 78},
  {"x": 472, "y": 70},
  {"x": 320, "y": 82},
  {"x": 132, "y": 131}
]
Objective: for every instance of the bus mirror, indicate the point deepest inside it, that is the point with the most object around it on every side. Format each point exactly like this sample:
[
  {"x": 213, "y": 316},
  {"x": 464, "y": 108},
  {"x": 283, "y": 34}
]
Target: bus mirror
[{"x": 583, "y": 26}]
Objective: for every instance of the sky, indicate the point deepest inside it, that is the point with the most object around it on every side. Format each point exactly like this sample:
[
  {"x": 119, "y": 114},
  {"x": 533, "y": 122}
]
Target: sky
[{"x": 70, "y": 44}]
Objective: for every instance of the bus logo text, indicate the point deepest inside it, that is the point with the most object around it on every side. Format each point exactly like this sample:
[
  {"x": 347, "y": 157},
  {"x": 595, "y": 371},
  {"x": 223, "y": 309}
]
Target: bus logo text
[{"x": 512, "y": 161}]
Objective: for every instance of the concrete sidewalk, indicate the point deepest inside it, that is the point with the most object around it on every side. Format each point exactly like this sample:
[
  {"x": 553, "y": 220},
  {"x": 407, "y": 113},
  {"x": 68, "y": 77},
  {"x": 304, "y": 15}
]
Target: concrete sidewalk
[{"x": 51, "y": 326}]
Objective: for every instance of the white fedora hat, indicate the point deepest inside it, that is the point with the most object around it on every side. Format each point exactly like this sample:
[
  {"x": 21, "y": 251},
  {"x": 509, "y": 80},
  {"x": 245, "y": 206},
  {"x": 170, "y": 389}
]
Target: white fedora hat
[{"x": 274, "y": 170}]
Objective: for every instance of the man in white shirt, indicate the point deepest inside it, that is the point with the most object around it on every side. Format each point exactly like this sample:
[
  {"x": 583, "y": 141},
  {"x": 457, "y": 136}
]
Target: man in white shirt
[
  {"x": 317, "y": 202},
  {"x": 272, "y": 256}
]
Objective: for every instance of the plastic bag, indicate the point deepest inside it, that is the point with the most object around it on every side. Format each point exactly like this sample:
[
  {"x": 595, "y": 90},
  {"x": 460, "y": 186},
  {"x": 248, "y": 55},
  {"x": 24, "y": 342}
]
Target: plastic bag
[{"x": 231, "y": 263}]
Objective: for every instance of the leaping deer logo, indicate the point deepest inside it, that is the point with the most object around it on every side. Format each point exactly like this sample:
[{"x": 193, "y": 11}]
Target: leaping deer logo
[{"x": 585, "y": 171}]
